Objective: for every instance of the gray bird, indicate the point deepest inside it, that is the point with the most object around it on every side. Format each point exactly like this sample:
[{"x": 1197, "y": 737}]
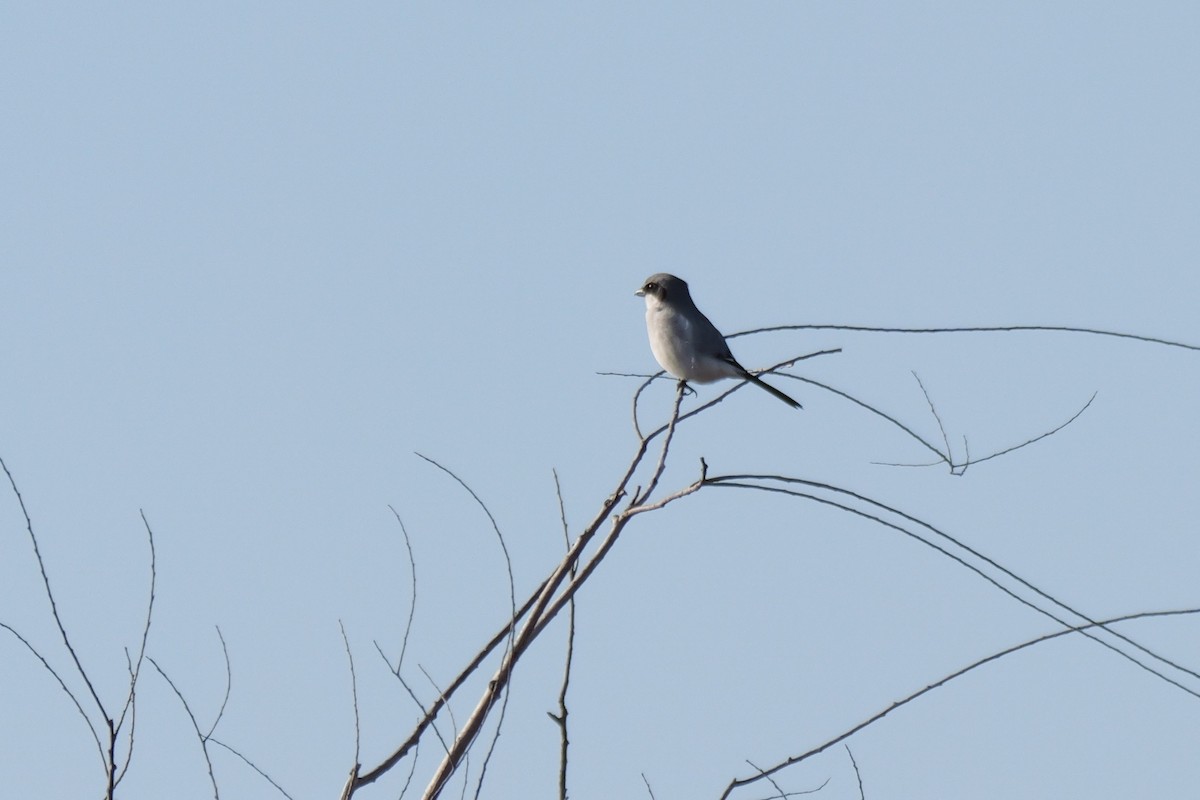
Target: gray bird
[{"x": 684, "y": 342}]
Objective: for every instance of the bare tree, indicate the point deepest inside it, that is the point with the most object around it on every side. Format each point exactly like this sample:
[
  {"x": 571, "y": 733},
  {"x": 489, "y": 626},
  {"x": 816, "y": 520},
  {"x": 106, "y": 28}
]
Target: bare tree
[{"x": 637, "y": 492}]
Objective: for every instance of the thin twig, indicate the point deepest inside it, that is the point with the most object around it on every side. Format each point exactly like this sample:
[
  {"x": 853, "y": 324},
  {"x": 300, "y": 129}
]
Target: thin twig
[
  {"x": 412, "y": 605},
  {"x": 942, "y": 457},
  {"x": 195, "y": 726},
  {"x": 354, "y": 698},
  {"x": 512, "y": 596},
  {"x": 449, "y": 708},
  {"x": 251, "y": 765},
  {"x": 136, "y": 670},
  {"x": 933, "y": 410},
  {"x": 426, "y": 714},
  {"x": 132, "y": 724},
  {"x": 962, "y": 467},
  {"x": 862, "y": 795},
  {"x": 779, "y": 789},
  {"x": 1051, "y": 432},
  {"x": 228, "y": 684},
  {"x": 57, "y": 619},
  {"x": 563, "y": 712},
  {"x": 662, "y": 458},
  {"x": 63, "y": 685}
]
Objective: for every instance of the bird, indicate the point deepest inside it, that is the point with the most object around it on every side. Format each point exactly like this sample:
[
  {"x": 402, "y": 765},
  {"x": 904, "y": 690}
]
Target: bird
[{"x": 685, "y": 343}]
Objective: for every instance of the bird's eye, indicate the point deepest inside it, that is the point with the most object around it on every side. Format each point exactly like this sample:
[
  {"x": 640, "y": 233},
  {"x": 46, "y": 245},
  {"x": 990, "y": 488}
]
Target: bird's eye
[{"x": 651, "y": 287}]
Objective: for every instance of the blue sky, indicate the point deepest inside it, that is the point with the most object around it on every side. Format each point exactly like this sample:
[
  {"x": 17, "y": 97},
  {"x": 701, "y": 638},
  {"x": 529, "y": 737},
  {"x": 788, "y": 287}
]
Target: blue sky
[{"x": 255, "y": 258}]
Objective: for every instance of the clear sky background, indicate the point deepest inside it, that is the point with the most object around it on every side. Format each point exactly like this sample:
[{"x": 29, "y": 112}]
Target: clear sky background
[{"x": 254, "y": 257}]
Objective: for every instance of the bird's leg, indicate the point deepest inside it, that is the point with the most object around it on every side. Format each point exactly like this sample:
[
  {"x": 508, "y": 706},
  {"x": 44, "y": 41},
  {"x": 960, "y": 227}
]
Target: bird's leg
[{"x": 683, "y": 386}]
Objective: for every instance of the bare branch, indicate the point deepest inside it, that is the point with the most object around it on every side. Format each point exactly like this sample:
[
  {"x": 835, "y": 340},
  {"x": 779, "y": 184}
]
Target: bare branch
[
  {"x": 427, "y": 720},
  {"x": 732, "y": 481},
  {"x": 662, "y": 458},
  {"x": 63, "y": 685},
  {"x": 251, "y": 765},
  {"x": 942, "y": 457},
  {"x": 563, "y": 711},
  {"x": 427, "y": 714},
  {"x": 661, "y": 375},
  {"x": 962, "y": 467},
  {"x": 512, "y": 596},
  {"x": 540, "y": 615},
  {"x": 228, "y": 685},
  {"x": 991, "y": 329},
  {"x": 195, "y": 726},
  {"x": 737, "y": 783},
  {"x": 132, "y": 709},
  {"x": 1028, "y": 442},
  {"x": 136, "y": 670},
  {"x": 412, "y": 605},
  {"x": 780, "y": 794},
  {"x": 537, "y": 613},
  {"x": 618, "y": 524},
  {"x": 512, "y": 592},
  {"x": 770, "y": 780},
  {"x": 861, "y": 794},
  {"x": 354, "y": 697},
  {"x": 933, "y": 410},
  {"x": 449, "y": 709},
  {"x": 57, "y": 619}
]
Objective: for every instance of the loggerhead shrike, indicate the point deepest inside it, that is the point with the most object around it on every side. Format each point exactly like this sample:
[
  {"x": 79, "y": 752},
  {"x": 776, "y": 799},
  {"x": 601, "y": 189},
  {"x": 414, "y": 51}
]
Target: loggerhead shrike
[{"x": 684, "y": 342}]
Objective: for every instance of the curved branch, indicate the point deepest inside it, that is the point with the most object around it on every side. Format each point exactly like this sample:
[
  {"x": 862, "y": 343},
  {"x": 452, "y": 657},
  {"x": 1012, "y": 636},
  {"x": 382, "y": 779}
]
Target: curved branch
[
  {"x": 978, "y": 329},
  {"x": 195, "y": 726},
  {"x": 54, "y": 611},
  {"x": 136, "y": 670},
  {"x": 65, "y": 688},
  {"x": 740, "y": 782},
  {"x": 732, "y": 481}
]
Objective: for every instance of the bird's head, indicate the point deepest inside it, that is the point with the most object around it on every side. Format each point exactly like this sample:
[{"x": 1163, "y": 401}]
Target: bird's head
[{"x": 663, "y": 287}]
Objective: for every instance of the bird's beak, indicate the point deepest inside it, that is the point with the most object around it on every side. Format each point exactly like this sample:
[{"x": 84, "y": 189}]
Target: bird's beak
[{"x": 640, "y": 293}]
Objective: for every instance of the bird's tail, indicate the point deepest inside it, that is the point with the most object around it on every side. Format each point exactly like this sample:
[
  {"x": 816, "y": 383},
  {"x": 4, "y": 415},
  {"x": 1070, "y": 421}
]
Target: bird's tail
[{"x": 757, "y": 381}]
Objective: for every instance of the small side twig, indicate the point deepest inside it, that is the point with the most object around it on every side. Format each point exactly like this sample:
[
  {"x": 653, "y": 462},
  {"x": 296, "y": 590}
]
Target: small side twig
[
  {"x": 354, "y": 698},
  {"x": 512, "y": 597},
  {"x": 135, "y": 670},
  {"x": 861, "y": 794},
  {"x": 412, "y": 603},
  {"x": 250, "y": 764},
  {"x": 228, "y": 684}
]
